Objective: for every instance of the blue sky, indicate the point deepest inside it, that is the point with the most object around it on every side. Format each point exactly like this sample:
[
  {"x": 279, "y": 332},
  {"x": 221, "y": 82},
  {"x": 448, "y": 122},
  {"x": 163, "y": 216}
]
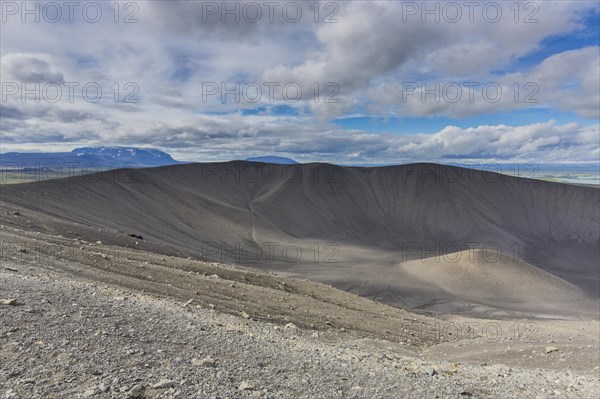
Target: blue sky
[
  {"x": 373, "y": 84},
  {"x": 434, "y": 124},
  {"x": 587, "y": 34}
]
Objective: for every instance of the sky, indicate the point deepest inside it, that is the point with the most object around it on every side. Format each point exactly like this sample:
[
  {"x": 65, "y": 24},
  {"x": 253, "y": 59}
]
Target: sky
[{"x": 355, "y": 82}]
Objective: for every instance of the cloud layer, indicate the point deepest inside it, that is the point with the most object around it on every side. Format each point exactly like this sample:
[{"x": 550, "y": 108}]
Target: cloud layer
[{"x": 146, "y": 83}]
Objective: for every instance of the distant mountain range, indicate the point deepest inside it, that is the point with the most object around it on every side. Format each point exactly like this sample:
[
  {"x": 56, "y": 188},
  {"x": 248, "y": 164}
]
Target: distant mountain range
[
  {"x": 111, "y": 157},
  {"x": 89, "y": 157},
  {"x": 273, "y": 159},
  {"x": 104, "y": 158}
]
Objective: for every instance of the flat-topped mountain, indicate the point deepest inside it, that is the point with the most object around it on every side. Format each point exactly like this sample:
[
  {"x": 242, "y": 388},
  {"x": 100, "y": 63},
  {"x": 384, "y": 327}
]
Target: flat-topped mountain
[
  {"x": 142, "y": 156},
  {"x": 86, "y": 157},
  {"x": 273, "y": 159}
]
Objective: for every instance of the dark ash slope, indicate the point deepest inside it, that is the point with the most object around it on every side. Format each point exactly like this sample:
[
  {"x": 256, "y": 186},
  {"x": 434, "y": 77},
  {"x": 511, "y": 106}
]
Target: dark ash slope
[{"x": 364, "y": 221}]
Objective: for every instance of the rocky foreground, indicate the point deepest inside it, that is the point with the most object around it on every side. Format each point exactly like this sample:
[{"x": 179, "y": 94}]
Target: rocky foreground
[{"x": 81, "y": 319}]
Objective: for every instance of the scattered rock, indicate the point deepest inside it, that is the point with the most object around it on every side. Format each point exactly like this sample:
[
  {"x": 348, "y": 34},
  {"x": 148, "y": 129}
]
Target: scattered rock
[
  {"x": 550, "y": 349},
  {"x": 163, "y": 384},
  {"x": 188, "y": 303},
  {"x": 206, "y": 362},
  {"x": 430, "y": 371},
  {"x": 139, "y": 237},
  {"x": 345, "y": 357},
  {"x": 245, "y": 386},
  {"x": 8, "y": 302},
  {"x": 245, "y": 315},
  {"x": 137, "y": 392},
  {"x": 290, "y": 326},
  {"x": 466, "y": 393}
]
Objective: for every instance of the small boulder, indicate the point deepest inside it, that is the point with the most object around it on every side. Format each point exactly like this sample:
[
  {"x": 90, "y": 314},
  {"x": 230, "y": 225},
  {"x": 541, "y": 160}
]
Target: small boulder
[
  {"x": 206, "y": 362},
  {"x": 163, "y": 384},
  {"x": 290, "y": 326},
  {"x": 136, "y": 392},
  {"x": 245, "y": 386}
]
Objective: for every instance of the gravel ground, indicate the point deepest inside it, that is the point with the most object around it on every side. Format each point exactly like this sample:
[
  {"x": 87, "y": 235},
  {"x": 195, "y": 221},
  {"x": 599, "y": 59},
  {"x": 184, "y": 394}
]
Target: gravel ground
[
  {"x": 68, "y": 338},
  {"x": 79, "y": 318}
]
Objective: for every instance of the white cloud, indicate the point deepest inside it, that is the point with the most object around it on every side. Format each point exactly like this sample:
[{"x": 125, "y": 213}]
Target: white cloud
[
  {"x": 29, "y": 68},
  {"x": 567, "y": 81}
]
